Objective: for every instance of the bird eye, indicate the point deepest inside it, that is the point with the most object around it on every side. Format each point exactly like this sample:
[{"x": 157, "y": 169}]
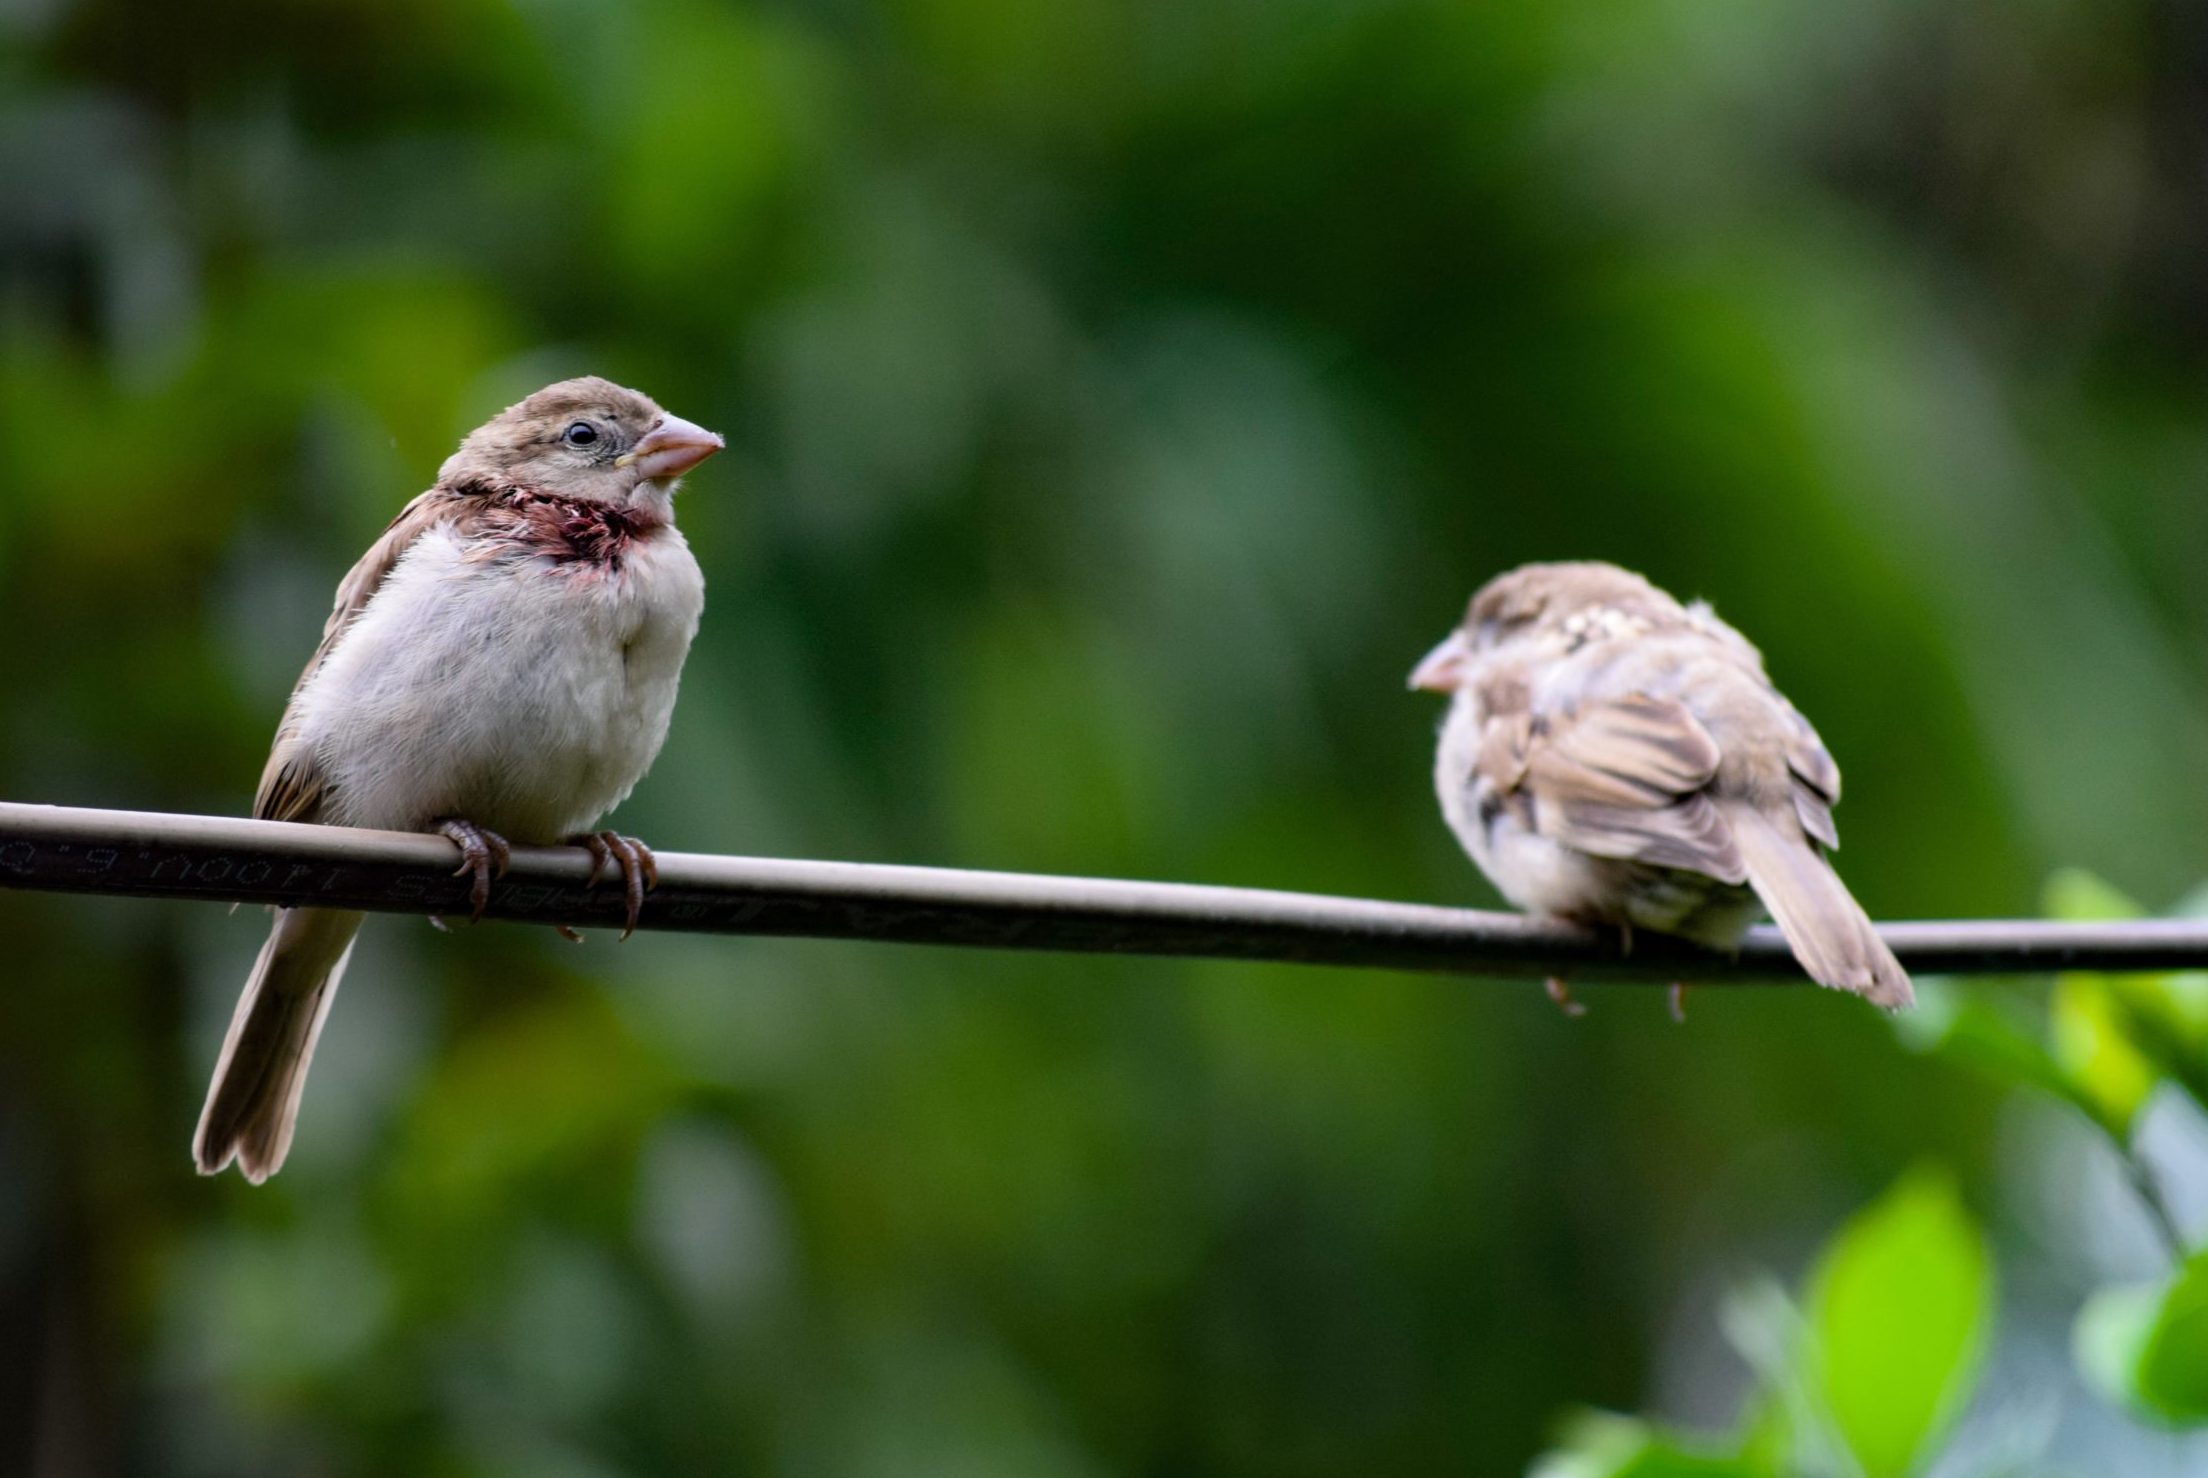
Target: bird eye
[{"x": 582, "y": 433}]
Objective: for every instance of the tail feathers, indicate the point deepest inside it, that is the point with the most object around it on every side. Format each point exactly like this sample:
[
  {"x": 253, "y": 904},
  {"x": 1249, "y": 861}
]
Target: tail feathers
[
  {"x": 1827, "y": 929},
  {"x": 254, "y": 1099}
]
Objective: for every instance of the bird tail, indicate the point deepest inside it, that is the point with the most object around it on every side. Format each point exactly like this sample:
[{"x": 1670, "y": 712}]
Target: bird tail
[
  {"x": 1823, "y": 924},
  {"x": 254, "y": 1099}
]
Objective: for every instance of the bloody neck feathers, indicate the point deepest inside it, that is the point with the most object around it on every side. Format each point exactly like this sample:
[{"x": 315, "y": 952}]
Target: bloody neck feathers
[{"x": 564, "y": 529}]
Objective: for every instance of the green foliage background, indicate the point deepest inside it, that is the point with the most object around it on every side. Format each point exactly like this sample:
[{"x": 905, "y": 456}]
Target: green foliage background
[{"x": 1121, "y": 396}]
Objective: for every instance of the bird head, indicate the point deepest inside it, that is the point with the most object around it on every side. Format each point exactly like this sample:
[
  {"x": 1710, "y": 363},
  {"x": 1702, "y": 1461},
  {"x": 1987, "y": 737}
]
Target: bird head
[
  {"x": 586, "y": 438},
  {"x": 1531, "y": 598}
]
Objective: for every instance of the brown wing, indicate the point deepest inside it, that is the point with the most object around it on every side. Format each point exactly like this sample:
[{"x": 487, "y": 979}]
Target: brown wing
[
  {"x": 1816, "y": 781},
  {"x": 1628, "y": 778},
  {"x": 293, "y": 786}
]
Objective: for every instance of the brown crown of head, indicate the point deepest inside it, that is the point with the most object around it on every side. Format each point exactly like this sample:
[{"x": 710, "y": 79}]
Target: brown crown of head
[{"x": 1539, "y": 592}]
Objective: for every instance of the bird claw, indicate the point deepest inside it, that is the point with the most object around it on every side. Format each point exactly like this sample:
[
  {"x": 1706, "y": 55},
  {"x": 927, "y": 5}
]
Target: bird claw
[
  {"x": 1561, "y": 993},
  {"x": 567, "y": 934},
  {"x": 482, "y": 853},
  {"x": 638, "y": 867},
  {"x": 1678, "y": 996}
]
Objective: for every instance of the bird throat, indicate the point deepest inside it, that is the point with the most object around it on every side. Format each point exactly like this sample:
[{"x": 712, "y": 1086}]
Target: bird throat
[{"x": 563, "y": 529}]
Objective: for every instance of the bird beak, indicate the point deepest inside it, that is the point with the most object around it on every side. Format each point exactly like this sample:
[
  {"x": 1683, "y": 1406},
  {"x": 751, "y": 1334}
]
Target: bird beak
[
  {"x": 1442, "y": 669},
  {"x": 670, "y": 449}
]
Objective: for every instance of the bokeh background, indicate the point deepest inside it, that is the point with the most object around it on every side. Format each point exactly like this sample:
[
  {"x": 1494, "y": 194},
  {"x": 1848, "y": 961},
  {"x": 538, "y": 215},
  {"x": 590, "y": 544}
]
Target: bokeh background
[{"x": 1121, "y": 396}]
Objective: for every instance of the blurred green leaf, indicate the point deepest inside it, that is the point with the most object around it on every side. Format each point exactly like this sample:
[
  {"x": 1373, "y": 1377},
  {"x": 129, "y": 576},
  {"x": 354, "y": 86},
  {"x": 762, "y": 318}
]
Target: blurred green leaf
[
  {"x": 2111, "y": 1335},
  {"x": 1783, "y": 1431},
  {"x": 1899, "y": 1310},
  {"x": 2074, "y": 894},
  {"x": 1981, "y": 1029},
  {"x": 2109, "y": 1039},
  {"x": 2088, "y": 1032},
  {"x": 1769, "y": 1439},
  {"x": 2147, "y": 1348},
  {"x": 2115, "y": 1037},
  {"x": 1601, "y": 1444},
  {"x": 1661, "y": 1460}
]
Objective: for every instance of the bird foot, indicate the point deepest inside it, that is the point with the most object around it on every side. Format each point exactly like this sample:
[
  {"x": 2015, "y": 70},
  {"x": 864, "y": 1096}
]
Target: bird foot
[
  {"x": 1561, "y": 993},
  {"x": 639, "y": 869},
  {"x": 1678, "y": 996},
  {"x": 482, "y": 853}
]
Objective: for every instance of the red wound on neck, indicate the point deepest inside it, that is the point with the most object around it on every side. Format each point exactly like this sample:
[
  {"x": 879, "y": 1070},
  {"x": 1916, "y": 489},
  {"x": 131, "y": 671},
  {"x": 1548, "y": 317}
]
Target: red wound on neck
[
  {"x": 562, "y": 529},
  {"x": 598, "y": 533}
]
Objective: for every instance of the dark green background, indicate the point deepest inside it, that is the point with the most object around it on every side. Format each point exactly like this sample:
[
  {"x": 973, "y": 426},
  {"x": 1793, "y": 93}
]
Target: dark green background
[{"x": 1120, "y": 398}]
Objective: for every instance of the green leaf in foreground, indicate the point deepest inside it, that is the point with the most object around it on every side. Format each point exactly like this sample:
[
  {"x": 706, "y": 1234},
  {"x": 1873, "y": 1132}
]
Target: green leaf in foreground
[
  {"x": 1898, "y": 1309},
  {"x": 2147, "y": 1348}
]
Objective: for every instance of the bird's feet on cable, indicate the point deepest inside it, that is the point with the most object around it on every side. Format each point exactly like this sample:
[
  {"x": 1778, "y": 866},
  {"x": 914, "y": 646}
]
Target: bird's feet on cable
[
  {"x": 639, "y": 869},
  {"x": 484, "y": 854}
]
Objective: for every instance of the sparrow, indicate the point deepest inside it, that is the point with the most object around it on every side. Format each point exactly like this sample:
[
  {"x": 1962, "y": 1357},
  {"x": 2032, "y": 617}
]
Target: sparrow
[
  {"x": 1611, "y": 756},
  {"x": 500, "y": 667}
]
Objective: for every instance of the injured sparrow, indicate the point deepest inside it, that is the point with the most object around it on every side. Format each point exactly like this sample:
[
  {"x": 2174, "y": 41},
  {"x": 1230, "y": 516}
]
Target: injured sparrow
[
  {"x": 501, "y": 664},
  {"x": 1611, "y": 756}
]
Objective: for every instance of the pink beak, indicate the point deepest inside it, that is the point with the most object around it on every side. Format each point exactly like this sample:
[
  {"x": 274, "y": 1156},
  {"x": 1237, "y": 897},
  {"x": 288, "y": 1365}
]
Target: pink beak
[
  {"x": 1442, "y": 669},
  {"x": 671, "y": 448}
]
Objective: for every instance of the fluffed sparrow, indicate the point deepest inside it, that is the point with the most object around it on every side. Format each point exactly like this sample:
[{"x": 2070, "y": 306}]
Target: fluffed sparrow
[
  {"x": 502, "y": 663},
  {"x": 1611, "y": 756}
]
